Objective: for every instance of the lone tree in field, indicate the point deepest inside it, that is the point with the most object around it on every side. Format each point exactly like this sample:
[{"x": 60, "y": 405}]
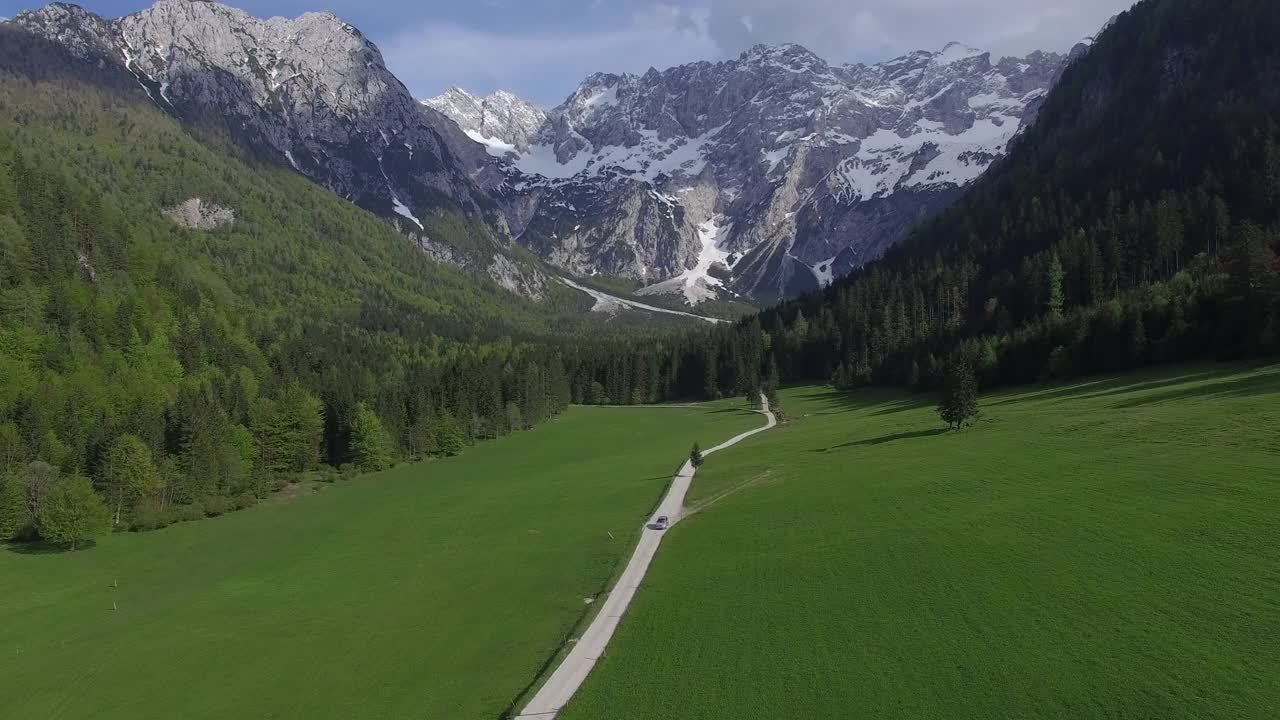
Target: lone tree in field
[
  {"x": 73, "y": 514},
  {"x": 959, "y": 405},
  {"x": 695, "y": 456}
]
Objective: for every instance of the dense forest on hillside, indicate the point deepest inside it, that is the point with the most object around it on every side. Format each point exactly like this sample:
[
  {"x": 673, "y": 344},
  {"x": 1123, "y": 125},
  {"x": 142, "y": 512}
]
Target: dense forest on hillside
[
  {"x": 1137, "y": 222},
  {"x": 185, "y": 372}
]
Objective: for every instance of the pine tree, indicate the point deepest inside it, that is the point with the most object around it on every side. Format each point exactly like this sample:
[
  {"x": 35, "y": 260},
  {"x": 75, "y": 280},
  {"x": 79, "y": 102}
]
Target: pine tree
[
  {"x": 73, "y": 514},
  {"x": 959, "y": 404},
  {"x": 1056, "y": 297},
  {"x": 710, "y": 375},
  {"x": 695, "y": 456},
  {"x": 772, "y": 381}
]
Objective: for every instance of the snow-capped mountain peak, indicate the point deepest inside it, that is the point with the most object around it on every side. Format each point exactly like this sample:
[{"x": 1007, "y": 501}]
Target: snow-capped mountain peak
[
  {"x": 809, "y": 169},
  {"x": 500, "y": 121}
]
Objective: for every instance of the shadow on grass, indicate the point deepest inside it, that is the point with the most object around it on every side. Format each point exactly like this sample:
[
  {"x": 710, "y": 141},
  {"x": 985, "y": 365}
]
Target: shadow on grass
[
  {"x": 885, "y": 439},
  {"x": 914, "y": 402},
  {"x": 875, "y": 401},
  {"x": 40, "y": 547},
  {"x": 1123, "y": 384},
  {"x": 1104, "y": 387},
  {"x": 1232, "y": 386}
]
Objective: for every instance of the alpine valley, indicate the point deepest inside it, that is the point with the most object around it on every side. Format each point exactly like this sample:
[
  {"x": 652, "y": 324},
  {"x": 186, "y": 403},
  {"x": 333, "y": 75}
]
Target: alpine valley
[
  {"x": 942, "y": 386},
  {"x": 757, "y": 178}
]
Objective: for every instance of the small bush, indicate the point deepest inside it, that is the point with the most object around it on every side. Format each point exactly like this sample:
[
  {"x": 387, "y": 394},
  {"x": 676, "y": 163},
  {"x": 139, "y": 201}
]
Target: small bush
[
  {"x": 348, "y": 471},
  {"x": 150, "y": 516},
  {"x": 216, "y": 505},
  {"x": 187, "y": 513},
  {"x": 244, "y": 501}
]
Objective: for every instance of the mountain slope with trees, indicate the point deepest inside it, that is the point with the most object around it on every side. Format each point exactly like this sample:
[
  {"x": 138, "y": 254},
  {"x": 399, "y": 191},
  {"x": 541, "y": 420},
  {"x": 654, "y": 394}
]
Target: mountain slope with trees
[{"x": 189, "y": 371}]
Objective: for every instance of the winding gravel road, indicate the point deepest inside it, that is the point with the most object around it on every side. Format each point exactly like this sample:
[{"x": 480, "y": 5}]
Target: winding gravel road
[
  {"x": 567, "y": 678},
  {"x": 606, "y": 303}
]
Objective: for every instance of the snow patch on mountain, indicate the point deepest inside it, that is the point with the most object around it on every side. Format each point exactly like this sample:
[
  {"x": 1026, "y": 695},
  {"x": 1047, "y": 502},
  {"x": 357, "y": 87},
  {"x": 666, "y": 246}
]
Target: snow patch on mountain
[
  {"x": 403, "y": 211},
  {"x": 698, "y": 284},
  {"x": 494, "y": 146},
  {"x": 499, "y": 121}
]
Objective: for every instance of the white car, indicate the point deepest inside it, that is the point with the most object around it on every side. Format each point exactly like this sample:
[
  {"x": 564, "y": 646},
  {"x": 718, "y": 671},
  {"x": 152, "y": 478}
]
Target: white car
[{"x": 660, "y": 524}]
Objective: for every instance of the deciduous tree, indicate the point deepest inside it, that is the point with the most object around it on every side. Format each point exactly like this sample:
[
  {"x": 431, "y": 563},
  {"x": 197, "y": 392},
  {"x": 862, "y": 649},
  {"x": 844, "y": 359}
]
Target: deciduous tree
[
  {"x": 370, "y": 446},
  {"x": 128, "y": 474},
  {"x": 73, "y": 514},
  {"x": 14, "y": 517}
]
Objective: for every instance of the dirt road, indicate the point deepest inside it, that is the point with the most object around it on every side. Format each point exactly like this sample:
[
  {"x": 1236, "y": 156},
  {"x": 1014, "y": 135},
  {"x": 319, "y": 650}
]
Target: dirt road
[{"x": 568, "y": 677}]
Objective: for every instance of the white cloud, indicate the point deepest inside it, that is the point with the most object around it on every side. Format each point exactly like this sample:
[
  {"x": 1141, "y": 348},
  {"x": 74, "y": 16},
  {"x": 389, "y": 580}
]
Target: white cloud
[
  {"x": 544, "y": 64},
  {"x": 843, "y": 30}
]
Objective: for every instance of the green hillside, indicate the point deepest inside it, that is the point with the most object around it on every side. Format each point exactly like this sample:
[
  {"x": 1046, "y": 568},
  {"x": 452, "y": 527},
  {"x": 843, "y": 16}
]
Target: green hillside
[{"x": 1101, "y": 549}]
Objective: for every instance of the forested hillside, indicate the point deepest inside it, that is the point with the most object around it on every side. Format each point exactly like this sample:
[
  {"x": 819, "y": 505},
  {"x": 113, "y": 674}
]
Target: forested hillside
[
  {"x": 1137, "y": 222},
  {"x": 187, "y": 371}
]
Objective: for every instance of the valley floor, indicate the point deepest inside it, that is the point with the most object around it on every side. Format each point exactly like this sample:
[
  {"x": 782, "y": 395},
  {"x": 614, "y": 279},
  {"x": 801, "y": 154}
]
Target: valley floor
[
  {"x": 429, "y": 591},
  {"x": 1109, "y": 548}
]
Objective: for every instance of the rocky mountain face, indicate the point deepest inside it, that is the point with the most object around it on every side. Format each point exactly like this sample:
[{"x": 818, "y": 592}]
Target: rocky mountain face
[
  {"x": 500, "y": 118},
  {"x": 764, "y": 176},
  {"x": 311, "y": 92}
]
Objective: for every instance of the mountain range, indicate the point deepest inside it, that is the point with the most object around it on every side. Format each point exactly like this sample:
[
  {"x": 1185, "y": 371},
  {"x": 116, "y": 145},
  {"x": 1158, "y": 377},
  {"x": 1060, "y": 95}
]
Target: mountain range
[
  {"x": 758, "y": 178},
  {"x": 763, "y": 176}
]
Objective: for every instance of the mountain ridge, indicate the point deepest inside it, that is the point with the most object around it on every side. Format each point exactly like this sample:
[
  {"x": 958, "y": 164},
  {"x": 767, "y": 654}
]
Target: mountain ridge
[{"x": 804, "y": 170}]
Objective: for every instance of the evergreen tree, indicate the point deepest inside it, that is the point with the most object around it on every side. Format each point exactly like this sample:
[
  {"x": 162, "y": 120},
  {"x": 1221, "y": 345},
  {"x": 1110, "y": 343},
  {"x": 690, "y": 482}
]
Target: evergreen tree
[
  {"x": 959, "y": 404},
  {"x": 73, "y": 514},
  {"x": 772, "y": 380},
  {"x": 695, "y": 456},
  {"x": 710, "y": 374},
  {"x": 1056, "y": 297}
]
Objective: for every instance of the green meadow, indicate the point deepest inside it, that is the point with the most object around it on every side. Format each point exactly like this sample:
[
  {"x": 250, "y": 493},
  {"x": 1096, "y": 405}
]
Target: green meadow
[
  {"x": 1105, "y": 549},
  {"x": 428, "y": 591}
]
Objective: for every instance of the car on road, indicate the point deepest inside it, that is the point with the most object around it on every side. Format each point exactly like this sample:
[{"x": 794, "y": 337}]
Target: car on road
[{"x": 660, "y": 524}]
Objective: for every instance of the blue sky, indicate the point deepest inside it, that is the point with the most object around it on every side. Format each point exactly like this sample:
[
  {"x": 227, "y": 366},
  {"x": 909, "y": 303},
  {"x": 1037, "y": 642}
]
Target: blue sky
[{"x": 541, "y": 49}]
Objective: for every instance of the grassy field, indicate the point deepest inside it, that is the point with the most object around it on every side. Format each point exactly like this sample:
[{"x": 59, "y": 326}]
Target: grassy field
[
  {"x": 430, "y": 591},
  {"x": 1109, "y": 549}
]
